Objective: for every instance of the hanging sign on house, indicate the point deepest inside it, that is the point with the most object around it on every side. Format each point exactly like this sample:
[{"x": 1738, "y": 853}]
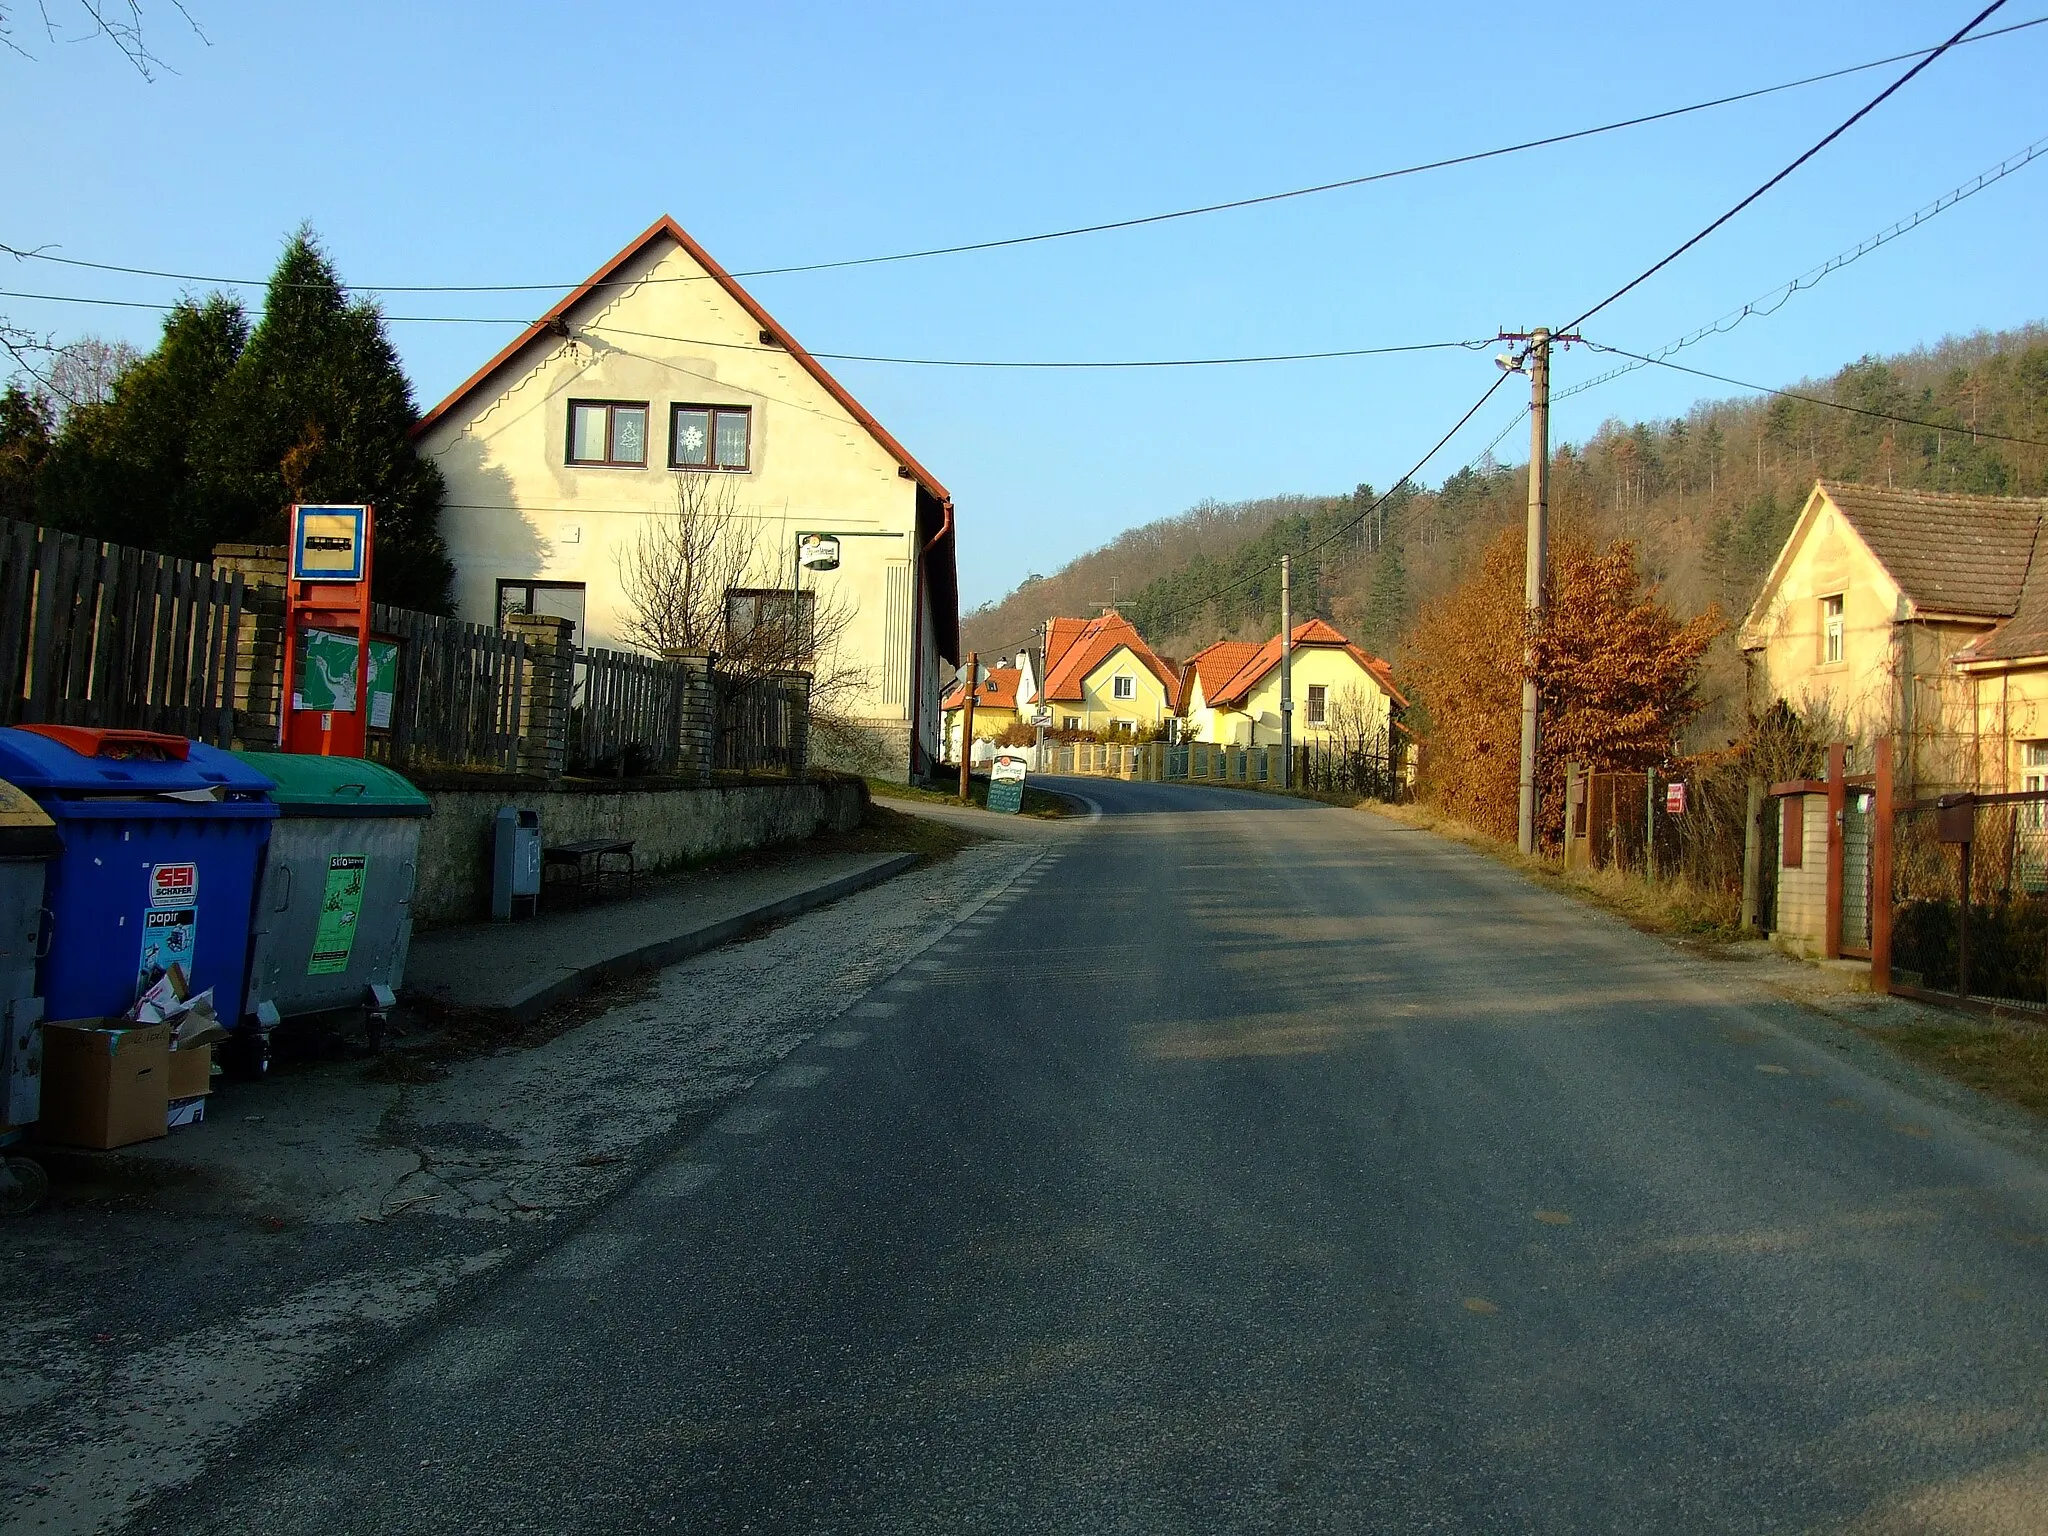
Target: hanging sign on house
[
  {"x": 1674, "y": 798},
  {"x": 818, "y": 552}
]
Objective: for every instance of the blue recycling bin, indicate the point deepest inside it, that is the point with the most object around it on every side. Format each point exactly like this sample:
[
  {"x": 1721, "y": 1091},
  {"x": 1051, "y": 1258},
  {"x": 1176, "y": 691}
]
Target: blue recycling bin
[{"x": 163, "y": 844}]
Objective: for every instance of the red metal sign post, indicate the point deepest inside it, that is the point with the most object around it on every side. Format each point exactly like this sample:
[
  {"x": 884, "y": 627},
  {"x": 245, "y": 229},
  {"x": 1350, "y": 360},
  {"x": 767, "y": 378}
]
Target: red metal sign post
[{"x": 327, "y": 631}]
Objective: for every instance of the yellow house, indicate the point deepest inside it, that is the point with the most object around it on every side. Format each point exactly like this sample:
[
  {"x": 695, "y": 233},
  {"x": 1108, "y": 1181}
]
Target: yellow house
[
  {"x": 1898, "y": 613},
  {"x": 659, "y": 380},
  {"x": 1001, "y": 700},
  {"x": 1342, "y": 695},
  {"x": 1100, "y": 675}
]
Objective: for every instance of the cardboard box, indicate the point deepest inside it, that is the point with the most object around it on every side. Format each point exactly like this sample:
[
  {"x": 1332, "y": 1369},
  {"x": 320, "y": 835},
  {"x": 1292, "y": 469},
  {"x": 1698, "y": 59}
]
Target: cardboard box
[
  {"x": 184, "y": 1112},
  {"x": 192, "y": 1072},
  {"x": 104, "y": 1087}
]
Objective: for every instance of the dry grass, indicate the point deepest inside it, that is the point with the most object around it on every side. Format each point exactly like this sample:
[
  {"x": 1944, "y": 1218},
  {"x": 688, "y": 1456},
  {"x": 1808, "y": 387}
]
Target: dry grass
[
  {"x": 2006, "y": 1062},
  {"x": 1676, "y": 906},
  {"x": 1045, "y": 804}
]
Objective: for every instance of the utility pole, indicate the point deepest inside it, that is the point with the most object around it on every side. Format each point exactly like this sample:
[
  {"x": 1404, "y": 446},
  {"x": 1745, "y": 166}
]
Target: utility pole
[
  {"x": 1287, "y": 672},
  {"x": 967, "y": 727},
  {"x": 1536, "y": 561}
]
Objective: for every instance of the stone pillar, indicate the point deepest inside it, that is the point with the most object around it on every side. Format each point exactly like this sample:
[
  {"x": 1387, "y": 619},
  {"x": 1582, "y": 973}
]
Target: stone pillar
[{"x": 542, "y": 709}]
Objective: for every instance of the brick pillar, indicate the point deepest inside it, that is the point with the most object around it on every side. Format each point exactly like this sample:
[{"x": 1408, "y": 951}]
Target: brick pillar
[
  {"x": 542, "y": 710},
  {"x": 696, "y": 715}
]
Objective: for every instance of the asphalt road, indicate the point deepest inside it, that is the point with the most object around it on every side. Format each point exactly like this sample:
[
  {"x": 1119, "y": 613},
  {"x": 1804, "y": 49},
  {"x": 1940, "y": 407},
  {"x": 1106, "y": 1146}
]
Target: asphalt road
[{"x": 1247, "y": 1165}]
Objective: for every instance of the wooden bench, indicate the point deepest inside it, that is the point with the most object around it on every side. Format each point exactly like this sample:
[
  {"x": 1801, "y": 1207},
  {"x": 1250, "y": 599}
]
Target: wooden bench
[{"x": 588, "y": 875}]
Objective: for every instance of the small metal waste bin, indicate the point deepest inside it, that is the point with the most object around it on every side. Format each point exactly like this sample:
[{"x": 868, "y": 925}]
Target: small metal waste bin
[
  {"x": 28, "y": 841},
  {"x": 162, "y": 840},
  {"x": 333, "y": 918},
  {"x": 515, "y": 862}
]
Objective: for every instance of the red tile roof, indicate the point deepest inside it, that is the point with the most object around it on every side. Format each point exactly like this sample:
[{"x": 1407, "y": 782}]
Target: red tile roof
[
  {"x": 1214, "y": 665},
  {"x": 998, "y": 691},
  {"x": 1313, "y": 633},
  {"x": 1076, "y": 647}
]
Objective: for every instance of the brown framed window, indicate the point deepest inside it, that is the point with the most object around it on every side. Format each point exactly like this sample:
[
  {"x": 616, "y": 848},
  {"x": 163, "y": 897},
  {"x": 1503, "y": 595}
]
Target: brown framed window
[
  {"x": 611, "y": 433},
  {"x": 711, "y": 437},
  {"x": 1318, "y": 704},
  {"x": 757, "y": 622},
  {"x": 561, "y": 599},
  {"x": 1792, "y": 833}
]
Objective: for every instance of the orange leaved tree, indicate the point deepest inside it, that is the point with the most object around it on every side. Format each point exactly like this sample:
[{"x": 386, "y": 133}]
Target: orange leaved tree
[{"x": 1617, "y": 674}]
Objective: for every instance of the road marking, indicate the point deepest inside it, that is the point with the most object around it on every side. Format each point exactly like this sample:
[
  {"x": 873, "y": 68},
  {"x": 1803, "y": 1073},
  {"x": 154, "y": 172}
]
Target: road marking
[
  {"x": 679, "y": 1179},
  {"x": 874, "y": 1010},
  {"x": 949, "y": 949},
  {"x": 927, "y": 965},
  {"x": 800, "y": 1074},
  {"x": 1554, "y": 1218},
  {"x": 1774, "y": 1069},
  {"x": 903, "y": 984},
  {"x": 747, "y": 1120},
  {"x": 591, "y": 1255},
  {"x": 1480, "y": 1305}
]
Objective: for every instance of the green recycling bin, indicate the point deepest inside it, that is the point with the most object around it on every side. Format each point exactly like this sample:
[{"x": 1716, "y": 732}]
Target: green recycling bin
[{"x": 333, "y": 919}]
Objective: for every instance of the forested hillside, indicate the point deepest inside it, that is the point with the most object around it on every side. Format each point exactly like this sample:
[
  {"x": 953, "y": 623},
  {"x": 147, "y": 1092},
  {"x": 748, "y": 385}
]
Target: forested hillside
[{"x": 1708, "y": 499}]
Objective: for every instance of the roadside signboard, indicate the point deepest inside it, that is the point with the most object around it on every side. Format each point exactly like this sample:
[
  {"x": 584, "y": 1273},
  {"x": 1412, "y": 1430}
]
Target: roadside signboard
[
  {"x": 1674, "y": 798},
  {"x": 1006, "y": 783}
]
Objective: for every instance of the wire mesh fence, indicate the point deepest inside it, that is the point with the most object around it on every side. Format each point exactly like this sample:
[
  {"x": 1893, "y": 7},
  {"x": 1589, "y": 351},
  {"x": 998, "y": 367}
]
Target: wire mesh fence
[{"x": 1969, "y": 895}]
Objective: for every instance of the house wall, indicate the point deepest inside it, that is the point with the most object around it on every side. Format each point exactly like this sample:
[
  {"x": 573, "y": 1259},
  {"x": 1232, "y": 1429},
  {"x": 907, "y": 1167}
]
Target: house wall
[
  {"x": 1257, "y": 723},
  {"x": 1097, "y": 706},
  {"x": 517, "y": 509},
  {"x": 1860, "y": 689},
  {"x": 2010, "y": 709}
]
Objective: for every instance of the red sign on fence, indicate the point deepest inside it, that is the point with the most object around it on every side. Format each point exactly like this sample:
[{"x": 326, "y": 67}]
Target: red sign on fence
[{"x": 1674, "y": 798}]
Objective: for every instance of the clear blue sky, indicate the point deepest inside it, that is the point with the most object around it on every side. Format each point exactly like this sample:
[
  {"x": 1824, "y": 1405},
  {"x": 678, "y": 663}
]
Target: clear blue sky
[{"x": 510, "y": 142}]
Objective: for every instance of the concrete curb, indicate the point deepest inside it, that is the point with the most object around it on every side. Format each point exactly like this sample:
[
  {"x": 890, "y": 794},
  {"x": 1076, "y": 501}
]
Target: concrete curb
[{"x": 531, "y": 1003}]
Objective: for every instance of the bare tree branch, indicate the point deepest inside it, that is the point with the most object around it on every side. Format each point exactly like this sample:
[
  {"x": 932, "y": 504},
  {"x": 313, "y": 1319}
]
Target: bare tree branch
[{"x": 118, "y": 21}]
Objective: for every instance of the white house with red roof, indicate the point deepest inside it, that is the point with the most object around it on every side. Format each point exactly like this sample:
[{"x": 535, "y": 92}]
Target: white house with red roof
[
  {"x": 1003, "y": 695},
  {"x": 1101, "y": 676},
  {"x": 1230, "y": 691},
  {"x": 661, "y": 372}
]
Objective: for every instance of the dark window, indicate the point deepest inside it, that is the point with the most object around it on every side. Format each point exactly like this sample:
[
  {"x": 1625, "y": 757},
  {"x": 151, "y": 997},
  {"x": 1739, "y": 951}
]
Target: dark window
[
  {"x": 609, "y": 432},
  {"x": 1792, "y": 834},
  {"x": 757, "y": 621},
  {"x": 710, "y": 437},
  {"x": 562, "y": 599},
  {"x": 1318, "y": 703}
]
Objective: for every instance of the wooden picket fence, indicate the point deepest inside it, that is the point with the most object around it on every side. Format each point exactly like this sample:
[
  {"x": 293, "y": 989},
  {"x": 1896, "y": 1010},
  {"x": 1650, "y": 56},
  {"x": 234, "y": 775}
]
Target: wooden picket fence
[
  {"x": 100, "y": 635},
  {"x": 462, "y": 692}
]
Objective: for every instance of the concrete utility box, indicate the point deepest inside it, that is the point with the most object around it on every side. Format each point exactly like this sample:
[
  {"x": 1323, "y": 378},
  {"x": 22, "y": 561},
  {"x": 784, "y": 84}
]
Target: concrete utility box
[
  {"x": 333, "y": 920},
  {"x": 515, "y": 862}
]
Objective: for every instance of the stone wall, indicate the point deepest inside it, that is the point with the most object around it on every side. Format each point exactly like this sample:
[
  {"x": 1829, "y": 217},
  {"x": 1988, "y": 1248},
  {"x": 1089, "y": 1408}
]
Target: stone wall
[{"x": 669, "y": 827}]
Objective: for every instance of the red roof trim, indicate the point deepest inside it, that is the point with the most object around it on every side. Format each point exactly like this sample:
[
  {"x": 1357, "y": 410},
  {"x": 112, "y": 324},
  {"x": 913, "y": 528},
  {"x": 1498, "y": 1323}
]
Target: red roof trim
[{"x": 669, "y": 227}]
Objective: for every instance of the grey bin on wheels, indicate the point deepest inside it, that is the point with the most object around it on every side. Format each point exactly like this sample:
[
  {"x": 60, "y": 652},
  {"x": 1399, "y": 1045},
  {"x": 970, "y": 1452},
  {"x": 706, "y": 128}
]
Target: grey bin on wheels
[
  {"x": 333, "y": 920},
  {"x": 28, "y": 841}
]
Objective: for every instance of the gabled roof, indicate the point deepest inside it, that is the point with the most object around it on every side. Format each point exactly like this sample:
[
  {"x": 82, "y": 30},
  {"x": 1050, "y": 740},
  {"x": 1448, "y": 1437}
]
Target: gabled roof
[
  {"x": 998, "y": 690},
  {"x": 1074, "y": 648},
  {"x": 1310, "y": 634},
  {"x": 1213, "y": 666},
  {"x": 552, "y": 325},
  {"x": 1949, "y": 554},
  {"x": 2025, "y": 634}
]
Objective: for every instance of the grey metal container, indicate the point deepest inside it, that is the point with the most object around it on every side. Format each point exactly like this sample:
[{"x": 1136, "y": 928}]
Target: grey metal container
[
  {"x": 28, "y": 840},
  {"x": 333, "y": 919}
]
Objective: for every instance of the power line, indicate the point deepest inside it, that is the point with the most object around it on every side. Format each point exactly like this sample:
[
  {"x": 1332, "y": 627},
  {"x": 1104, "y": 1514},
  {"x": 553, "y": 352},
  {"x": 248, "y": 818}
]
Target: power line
[
  {"x": 869, "y": 357},
  {"x": 1836, "y": 405},
  {"x": 1203, "y": 600},
  {"x": 1925, "y": 55},
  {"x": 1833, "y": 134},
  {"x": 1770, "y": 303}
]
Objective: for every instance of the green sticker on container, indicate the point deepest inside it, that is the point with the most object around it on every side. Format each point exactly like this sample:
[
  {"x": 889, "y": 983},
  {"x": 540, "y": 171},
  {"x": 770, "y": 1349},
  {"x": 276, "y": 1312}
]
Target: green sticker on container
[
  {"x": 383, "y": 682},
  {"x": 341, "y": 904},
  {"x": 327, "y": 672}
]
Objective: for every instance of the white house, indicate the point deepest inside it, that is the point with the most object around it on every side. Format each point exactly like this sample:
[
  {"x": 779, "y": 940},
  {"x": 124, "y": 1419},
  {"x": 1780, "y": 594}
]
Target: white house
[{"x": 660, "y": 371}]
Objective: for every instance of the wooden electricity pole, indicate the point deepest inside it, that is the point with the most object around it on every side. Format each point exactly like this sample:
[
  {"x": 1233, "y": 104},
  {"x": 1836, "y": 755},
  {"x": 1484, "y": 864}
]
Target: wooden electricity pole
[
  {"x": 1287, "y": 672},
  {"x": 967, "y": 727}
]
